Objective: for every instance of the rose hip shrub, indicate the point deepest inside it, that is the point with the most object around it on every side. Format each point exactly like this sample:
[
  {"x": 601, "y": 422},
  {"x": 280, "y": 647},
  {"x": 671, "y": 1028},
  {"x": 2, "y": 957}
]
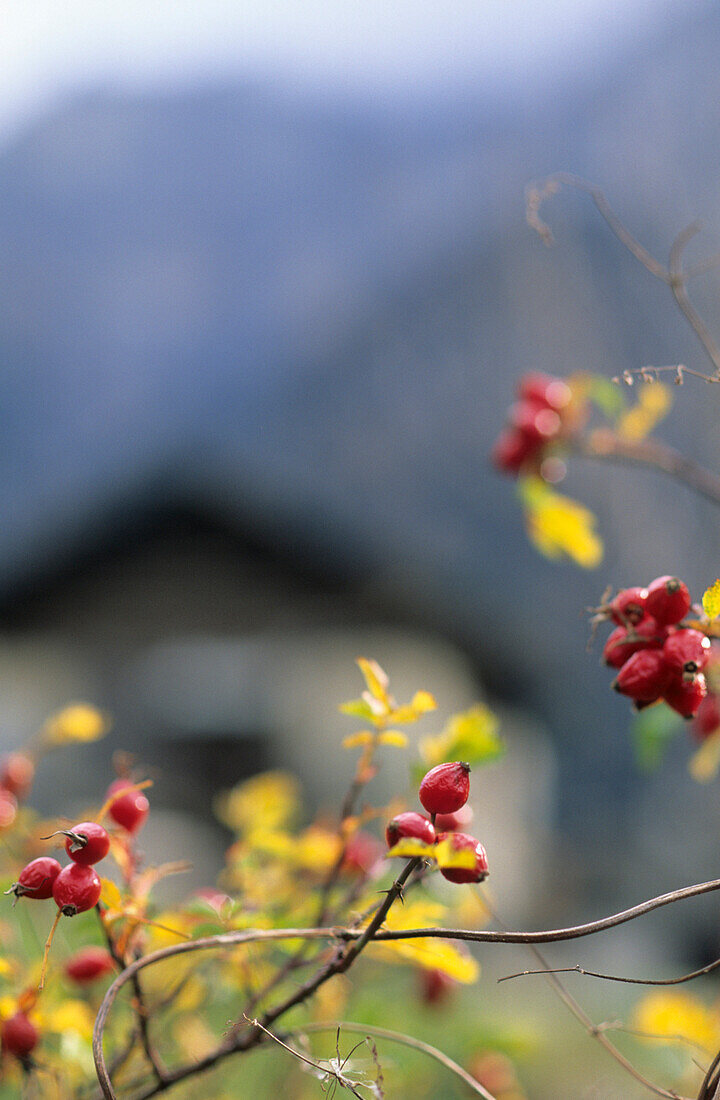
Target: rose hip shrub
[{"x": 85, "y": 888}]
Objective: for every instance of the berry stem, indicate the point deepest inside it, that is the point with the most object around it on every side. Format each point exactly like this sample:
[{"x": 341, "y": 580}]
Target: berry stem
[
  {"x": 46, "y": 952},
  {"x": 122, "y": 794}
]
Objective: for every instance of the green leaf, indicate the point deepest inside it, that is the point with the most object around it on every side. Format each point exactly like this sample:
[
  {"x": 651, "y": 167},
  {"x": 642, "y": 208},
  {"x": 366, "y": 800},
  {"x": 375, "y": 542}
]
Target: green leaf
[
  {"x": 607, "y": 395},
  {"x": 357, "y": 708},
  {"x": 711, "y": 600},
  {"x": 652, "y": 731}
]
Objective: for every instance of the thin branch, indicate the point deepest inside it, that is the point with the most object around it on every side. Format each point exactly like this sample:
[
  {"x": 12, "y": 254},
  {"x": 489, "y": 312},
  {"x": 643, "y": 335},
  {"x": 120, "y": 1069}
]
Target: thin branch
[
  {"x": 343, "y": 1081},
  {"x": 615, "y": 978},
  {"x": 140, "y": 1006},
  {"x": 236, "y": 938},
  {"x": 408, "y": 1041},
  {"x": 673, "y": 275},
  {"x": 595, "y": 1032},
  {"x": 537, "y": 193},
  {"x": 603, "y": 443}
]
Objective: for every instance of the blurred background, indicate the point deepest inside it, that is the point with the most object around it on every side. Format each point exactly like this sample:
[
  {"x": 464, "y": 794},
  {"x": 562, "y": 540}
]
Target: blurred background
[{"x": 266, "y": 288}]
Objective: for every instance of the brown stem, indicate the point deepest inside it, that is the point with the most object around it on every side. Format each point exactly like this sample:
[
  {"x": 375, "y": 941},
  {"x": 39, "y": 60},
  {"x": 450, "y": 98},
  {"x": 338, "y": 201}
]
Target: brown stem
[
  {"x": 140, "y": 1005},
  {"x": 603, "y": 443},
  {"x": 703, "y": 970},
  {"x": 228, "y": 939}
]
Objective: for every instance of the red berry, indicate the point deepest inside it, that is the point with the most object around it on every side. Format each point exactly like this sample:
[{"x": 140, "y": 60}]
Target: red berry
[
  {"x": 512, "y": 450},
  {"x": 409, "y": 824},
  {"x": 545, "y": 389},
  {"x": 362, "y": 853},
  {"x": 539, "y": 423},
  {"x": 644, "y": 676},
  {"x": 37, "y": 878},
  {"x": 87, "y": 843},
  {"x": 685, "y": 696},
  {"x": 445, "y": 788},
  {"x": 8, "y": 808},
  {"x": 19, "y": 1036},
  {"x": 88, "y": 964},
  {"x": 435, "y": 985},
  {"x": 461, "y": 842},
  {"x": 687, "y": 651},
  {"x": 76, "y": 889},
  {"x": 707, "y": 718},
  {"x": 668, "y": 600},
  {"x": 628, "y": 606},
  {"x": 17, "y": 772},
  {"x": 448, "y": 823},
  {"x": 624, "y": 641},
  {"x": 128, "y": 810}
]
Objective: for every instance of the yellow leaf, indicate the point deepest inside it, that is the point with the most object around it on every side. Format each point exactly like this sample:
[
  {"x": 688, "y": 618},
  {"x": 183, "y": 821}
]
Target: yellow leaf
[
  {"x": 392, "y": 737},
  {"x": 410, "y": 847},
  {"x": 677, "y": 1016},
  {"x": 375, "y": 678},
  {"x": 110, "y": 896},
  {"x": 267, "y": 801},
  {"x": 423, "y": 701},
  {"x": 449, "y": 856},
  {"x": 705, "y": 762},
  {"x": 77, "y": 722},
  {"x": 653, "y": 403},
  {"x": 559, "y": 526},
  {"x": 711, "y": 600},
  {"x": 439, "y": 954},
  {"x": 353, "y": 740}
]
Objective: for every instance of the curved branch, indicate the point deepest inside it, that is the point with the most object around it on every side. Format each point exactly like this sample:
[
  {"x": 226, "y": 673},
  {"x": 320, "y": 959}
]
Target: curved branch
[
  {"x": 673, "y": 275},
  {"x": 405, "y": 1040},
  {"x": 703, "y": 970},
  {"x": 603, "y": 443},
  {"x": 233, "y": 939}
]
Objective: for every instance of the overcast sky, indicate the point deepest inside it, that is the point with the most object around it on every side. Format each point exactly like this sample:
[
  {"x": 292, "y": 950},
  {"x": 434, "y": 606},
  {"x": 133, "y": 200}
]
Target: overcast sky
[{"x": 49, "y": 46}]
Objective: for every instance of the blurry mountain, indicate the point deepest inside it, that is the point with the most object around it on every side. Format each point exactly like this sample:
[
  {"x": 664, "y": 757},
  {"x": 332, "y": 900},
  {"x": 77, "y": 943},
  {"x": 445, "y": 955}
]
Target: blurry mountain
[{"x": 307, "y": 318}]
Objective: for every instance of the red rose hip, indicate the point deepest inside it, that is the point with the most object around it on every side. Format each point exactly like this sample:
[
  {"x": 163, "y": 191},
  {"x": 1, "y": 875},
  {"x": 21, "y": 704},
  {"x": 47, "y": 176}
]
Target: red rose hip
[
  {"x": 129, "y": 809},
  {"x": 628, "y": 606},
  {"x": 89, "y": 964},
  {"x": 76, "y": 889},
  {"x": 687, "y": 651},
  {"x": 19, "y": 1036},
  {"x": 445, "y": 788},
  {"x": 512, "y": 450},
  {"x": 644, "y": 676},
  {"x": 626, "y": 640},
  {"x": 668, "y": 600},
  {"x": 17, "y": 772},
  {"x": 685, "y": 696},
  {"x": 87, "y": 843},
  {"x": 37, "y": 878},
  {"x": 409, "y": 824},
  {"x": 462, "y": 842},
  {"x": 545, "y": 389},
  {"x": 707, "y": 718}
]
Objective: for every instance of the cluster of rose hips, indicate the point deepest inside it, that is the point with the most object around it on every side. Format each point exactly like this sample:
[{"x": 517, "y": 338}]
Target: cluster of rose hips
[
  {"x": 656, "y": 656},
  {"x": 543, "y": 414},
  {"x": 76, "y": 887},
  {"x": 443, "y": 792}
]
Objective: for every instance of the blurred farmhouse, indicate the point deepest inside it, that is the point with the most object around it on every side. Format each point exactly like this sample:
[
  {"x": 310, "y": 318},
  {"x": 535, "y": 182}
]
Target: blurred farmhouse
[{"x": 255, "y": 348}]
